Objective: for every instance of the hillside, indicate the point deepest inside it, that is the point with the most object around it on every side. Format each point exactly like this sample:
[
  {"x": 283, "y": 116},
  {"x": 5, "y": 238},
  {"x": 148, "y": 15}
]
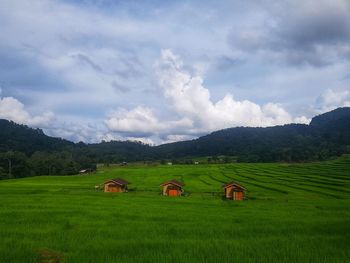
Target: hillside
[
  {"x": 16, "y": 137},
  {"x": 33, "y": 153},
  {"x": 326, "y": 136}
]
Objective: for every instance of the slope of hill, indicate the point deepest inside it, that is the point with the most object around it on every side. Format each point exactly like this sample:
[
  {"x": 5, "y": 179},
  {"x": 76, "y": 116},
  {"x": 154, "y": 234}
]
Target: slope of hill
[
  {"x": 16, "y": 137},
  {"x": 326, "y": 136},
  {"x": 339, "y": 115},
  {"x": 35, "y": 153}
]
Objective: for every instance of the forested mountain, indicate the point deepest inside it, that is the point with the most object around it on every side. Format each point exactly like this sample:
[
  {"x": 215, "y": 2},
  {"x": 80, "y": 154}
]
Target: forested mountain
[
  {"x": 16, "y": 137},
  {"x": 327, "y": 135},
  {"x": 31, "y": 152}
]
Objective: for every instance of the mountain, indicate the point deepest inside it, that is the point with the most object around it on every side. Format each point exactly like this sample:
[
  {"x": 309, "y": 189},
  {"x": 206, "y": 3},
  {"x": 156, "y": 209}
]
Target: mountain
[
  {"x": 326, "y": 136},
  {"x": 326, "y": 120},
  {"x": 33, "y": 153},
  {"x": 16, "y": 137},
  {"x": 25, "y": 151}
]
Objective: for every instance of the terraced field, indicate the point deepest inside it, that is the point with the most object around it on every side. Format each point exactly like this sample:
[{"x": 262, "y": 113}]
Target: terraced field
[{"x": 293, "y": 213}]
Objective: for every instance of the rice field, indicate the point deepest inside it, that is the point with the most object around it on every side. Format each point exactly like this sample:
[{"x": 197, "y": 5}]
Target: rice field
[{"x": 293, "y": 213}]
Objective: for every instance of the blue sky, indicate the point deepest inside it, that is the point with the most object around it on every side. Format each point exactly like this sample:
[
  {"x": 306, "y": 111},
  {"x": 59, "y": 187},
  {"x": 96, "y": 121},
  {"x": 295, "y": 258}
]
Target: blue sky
[{"x": 162, "y": 71}]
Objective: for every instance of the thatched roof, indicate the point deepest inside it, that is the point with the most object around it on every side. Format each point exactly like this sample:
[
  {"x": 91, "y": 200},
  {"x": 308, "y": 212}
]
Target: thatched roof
[
  {"x": 237, "y": 185},
  {"x": 117, "y": 181},
  {"x": 173, "y": 182}
]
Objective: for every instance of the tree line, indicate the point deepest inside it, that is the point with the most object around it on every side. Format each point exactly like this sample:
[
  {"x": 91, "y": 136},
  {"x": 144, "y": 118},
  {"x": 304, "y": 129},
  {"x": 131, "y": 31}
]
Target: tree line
[{"x": 27, "y": 152}]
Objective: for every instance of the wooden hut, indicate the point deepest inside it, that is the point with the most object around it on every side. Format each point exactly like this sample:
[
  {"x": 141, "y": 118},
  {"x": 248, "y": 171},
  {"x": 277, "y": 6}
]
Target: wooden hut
[
  {"x": 172, "y": 188},
  {"x": 234, "y": 191},
  {"x": 116, "y": 186},
  {"x": 86, "y": 171}
]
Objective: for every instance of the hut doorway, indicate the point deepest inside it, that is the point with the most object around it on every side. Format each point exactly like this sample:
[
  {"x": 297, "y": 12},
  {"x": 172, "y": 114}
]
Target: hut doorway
[
  {"x": 237, "y": 195},
  {"x": 112, "y": 188},
  {"x": 173, "y": 192}
]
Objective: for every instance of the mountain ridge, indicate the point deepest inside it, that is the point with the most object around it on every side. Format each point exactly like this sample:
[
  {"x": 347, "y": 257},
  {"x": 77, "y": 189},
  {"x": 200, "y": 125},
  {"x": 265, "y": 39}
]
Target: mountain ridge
[{"x": 325, "y": 137}]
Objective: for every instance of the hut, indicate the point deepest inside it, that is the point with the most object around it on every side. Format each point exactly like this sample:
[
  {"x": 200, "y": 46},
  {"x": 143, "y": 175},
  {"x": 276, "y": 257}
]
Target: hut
[
  {"x": 87, "y": 171},
  {"x": 234, "y": 191},
  {"x": 116, "y": 186},
  {"x": 172, "y": 188}
]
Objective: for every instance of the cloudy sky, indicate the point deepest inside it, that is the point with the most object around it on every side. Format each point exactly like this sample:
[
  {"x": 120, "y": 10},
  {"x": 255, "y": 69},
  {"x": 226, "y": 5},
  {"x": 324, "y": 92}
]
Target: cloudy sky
[{"x": 161, "y": 71}]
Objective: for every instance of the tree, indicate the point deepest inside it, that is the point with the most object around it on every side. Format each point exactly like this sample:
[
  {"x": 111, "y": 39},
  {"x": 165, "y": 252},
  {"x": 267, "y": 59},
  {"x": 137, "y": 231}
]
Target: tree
[{"x": 8, "y": 156}]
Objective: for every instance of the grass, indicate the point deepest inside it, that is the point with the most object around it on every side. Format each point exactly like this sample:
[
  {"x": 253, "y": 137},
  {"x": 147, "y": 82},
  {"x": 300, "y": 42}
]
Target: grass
[{"x": 294, "y": 213}]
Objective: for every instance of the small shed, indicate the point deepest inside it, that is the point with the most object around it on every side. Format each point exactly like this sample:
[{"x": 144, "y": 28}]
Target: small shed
[
  {"x": 116, "y": 186},
  {"x": 86, "y": 171},
  {"x": 172, "y": 188},
  {"x": 234, "y": 191}
]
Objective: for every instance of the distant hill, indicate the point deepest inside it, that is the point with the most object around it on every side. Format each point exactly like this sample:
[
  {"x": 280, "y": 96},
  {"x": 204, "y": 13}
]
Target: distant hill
[
  {"x": 33, "y": 152},
  {"x": 327, "y": 135},
  {"x": 25, "y": 151},
  {"x": 16, "y": 137},
  {"x": 325, "y": 120}
]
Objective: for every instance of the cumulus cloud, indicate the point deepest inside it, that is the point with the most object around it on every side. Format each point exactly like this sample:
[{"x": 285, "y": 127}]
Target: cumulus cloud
[
  {"x": 139, "y": 121},
  {"x": 142, "y": 122},
  {"x": 77, "y": 131},
  {"x": 332, "y": 99},
  {"x": 191, "y": 101},
  {"x": 12, "y": 109}
]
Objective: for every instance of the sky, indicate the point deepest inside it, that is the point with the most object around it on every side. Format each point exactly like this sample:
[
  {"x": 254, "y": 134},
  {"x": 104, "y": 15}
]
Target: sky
[{"x": 162, "y": 71}]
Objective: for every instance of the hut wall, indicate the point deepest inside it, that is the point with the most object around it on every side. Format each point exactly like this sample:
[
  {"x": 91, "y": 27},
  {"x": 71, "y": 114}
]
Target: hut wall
[
  {"x": 171, "y": 190},
  {"x": 229, "y": 192},
  {"x": 165, "y": 189},
  {"x": 113, "y": 188}
]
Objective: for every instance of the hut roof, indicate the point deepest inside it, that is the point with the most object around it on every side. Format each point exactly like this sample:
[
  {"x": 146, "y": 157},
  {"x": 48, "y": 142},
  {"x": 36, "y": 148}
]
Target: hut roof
[
  {"x": 117, "y": 181},
  {"x": 174, "y": 182},
  {"x": 86, "y": 170},
  {"x": 233, "y": 184}
]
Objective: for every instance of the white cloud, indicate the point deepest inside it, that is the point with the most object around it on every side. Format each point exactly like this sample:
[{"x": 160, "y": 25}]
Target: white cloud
[
  {"x": 141, "y": 122},
  {"x": 302, "y": 119},
  {"x": 332, "y": 99},
  {"x": 191, "y": 101},
  {"x": 79, "y": 131},
  {"x": 12, "y": 109},
  {"x": 175, "y": 138},
  {"x": 144, "y": 140}
]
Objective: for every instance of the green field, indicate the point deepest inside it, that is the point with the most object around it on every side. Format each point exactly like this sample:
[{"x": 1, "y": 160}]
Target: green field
[{"x": 294, "y": 213}]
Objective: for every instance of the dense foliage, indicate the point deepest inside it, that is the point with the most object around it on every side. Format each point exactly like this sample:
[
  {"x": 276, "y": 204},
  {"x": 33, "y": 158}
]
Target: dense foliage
[
  {"x": 25, "y": 151},
  {"x": 328, "y": 135}
]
